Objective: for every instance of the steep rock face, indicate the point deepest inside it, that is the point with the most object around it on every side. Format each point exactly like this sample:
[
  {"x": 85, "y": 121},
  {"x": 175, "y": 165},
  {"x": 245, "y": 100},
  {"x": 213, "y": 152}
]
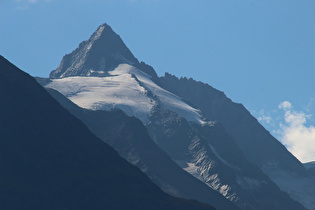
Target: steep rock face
[
  {"x": 257, "y": 144},
  {"x": 102, "y": 52},
  {"x": 130, "y": 138},
  {"x": 210, "y": 154},
  {"x": 50, "y": 160}
]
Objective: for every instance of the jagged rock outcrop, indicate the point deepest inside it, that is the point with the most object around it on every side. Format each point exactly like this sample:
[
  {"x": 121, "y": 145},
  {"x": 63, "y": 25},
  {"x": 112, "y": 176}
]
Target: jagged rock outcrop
[{"x": 102, "y": 52}]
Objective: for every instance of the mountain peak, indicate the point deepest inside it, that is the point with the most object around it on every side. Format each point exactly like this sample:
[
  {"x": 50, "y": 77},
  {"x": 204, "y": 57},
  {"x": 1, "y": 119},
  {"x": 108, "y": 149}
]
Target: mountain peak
[
  {"x": 102, "y": 52},
  {"x": 104, "y": 28}
]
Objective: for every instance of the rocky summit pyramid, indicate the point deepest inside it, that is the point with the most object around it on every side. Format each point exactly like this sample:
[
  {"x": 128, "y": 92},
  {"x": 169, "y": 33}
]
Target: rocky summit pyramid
[
  {"x": 197, "y": 126},
  {"x": 102, "y": 52}
]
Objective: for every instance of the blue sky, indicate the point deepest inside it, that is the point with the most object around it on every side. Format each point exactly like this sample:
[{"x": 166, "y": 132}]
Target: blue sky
[{"x": 260, "y": 53}]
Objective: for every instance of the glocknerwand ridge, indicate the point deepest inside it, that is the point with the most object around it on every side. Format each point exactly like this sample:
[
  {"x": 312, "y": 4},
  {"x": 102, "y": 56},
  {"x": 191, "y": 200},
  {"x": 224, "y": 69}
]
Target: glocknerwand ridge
[{"x": 213, "y": 145}]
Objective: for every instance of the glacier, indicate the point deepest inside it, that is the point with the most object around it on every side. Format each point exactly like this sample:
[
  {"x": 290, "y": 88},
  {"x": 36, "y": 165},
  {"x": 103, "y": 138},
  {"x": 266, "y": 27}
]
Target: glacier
[{"x": 126, "y": 88}]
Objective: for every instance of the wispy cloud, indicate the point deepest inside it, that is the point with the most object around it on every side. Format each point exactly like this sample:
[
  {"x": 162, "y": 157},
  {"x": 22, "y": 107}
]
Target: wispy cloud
[
  {"x": 285, "y": 105},
  {"x": 264, "y": 117},
  {"x": 295, "y": 135}
]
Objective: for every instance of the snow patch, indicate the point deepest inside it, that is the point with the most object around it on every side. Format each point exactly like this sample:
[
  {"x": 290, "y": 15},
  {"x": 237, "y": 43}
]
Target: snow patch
[
  {"x": 166, "y": 98},
  {"x": 105, "y": 93},
  {"x": 213, "y": 181},
  {"x": 190, "y": 168},
  {"x": 99, "y": 32},
  {"x": 126, "y": 88}
]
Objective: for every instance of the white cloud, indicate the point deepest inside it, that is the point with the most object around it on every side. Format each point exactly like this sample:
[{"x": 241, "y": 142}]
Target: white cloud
[
  {"x": 263, "y": 117},
  {"x": 297, "y": 137},
  {"x": 285, "y": 105}
]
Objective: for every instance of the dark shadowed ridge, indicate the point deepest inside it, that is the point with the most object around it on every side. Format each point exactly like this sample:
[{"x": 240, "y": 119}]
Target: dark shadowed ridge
[
  {"x": 258, "y": 145},
  {"x": 50, "y": 160}
]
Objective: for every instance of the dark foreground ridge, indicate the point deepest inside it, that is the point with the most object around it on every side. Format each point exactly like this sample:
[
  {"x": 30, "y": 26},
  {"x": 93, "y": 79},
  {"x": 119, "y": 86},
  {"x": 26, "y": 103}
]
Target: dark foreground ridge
[{"x": 50, "y": 160}]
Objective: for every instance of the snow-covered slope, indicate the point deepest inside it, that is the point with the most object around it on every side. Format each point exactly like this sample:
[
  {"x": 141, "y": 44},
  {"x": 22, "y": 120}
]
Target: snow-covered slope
[{"x": 126, "y": 88}]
